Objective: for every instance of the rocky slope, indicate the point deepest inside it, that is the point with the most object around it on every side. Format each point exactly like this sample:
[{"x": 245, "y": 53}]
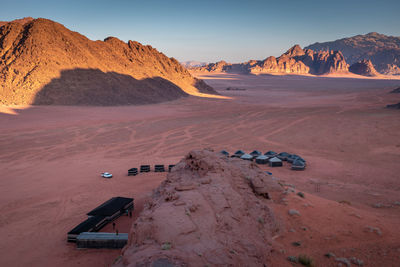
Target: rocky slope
[
  {"x": 210, "y": 211},
  {"x": 295, "y": 61},
  {"x": 42, "y": 62},
  {"x": 364, "y": 67},
  {"x": 382, "y": 50},
  {"x": 19, "y": 21}
]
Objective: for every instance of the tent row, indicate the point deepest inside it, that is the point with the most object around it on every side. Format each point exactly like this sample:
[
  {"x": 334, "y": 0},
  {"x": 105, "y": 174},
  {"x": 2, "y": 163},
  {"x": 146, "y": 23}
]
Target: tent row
[
  {"x": 272, "y": 158},
  {"x": 146, "y": 168}
]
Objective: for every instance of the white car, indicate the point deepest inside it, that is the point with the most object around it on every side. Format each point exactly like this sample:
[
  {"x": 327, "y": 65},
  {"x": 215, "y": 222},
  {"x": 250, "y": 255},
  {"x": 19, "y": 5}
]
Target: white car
[{"x": 106, "y": 175}]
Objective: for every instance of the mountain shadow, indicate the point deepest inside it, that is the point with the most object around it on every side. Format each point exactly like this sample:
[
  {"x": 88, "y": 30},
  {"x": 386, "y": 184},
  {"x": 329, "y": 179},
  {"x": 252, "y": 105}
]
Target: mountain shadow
[{"x": 93, "y": 87}]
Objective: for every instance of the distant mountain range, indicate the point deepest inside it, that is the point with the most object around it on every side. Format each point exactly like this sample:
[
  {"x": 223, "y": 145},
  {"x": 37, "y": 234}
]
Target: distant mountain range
[
  {"x": 295, "y": 61},
  {"x": 382, "y": 50},
  {"x": 369, "y": 55},
  {"x": 42, "y": 62},
  {"x": 193, "y": 64}
]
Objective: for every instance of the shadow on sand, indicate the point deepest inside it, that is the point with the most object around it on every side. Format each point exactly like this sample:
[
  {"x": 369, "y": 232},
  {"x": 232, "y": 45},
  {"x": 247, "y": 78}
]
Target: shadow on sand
[{"x": 92, "y": 87}]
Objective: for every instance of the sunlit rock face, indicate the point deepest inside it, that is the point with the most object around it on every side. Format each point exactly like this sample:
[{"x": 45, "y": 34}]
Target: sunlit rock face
[{"x": 42, "y": 62}]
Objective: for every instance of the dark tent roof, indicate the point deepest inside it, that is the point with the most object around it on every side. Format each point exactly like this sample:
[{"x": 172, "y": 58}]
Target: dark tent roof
[
  {"x": 298, "y": 165},
  {"x": 224, "y": 152},
  {"x": 270, "y": 153},
  {"x": 293, "y": 157},
  {"x": 247, "y": 157},
  {"x": 111, "y": 206},
  {"x": 255, "y": 153},
  {"x": 87, "y": 225},
  {"x": 262, "y": 159},
  {"x": 298, "y": 162},
  {"x": 275, "y": 159},
  {"x": 239, "y": 152}
]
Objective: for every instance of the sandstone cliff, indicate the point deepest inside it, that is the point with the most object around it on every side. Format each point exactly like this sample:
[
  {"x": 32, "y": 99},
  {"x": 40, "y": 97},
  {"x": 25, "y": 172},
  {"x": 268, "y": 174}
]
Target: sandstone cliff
[
  {"x": 364, "y": 67},
  {"x": 295, "y": 61},
  {"x": 382, "y": 50},
  {"x": 42, "y": 62}
]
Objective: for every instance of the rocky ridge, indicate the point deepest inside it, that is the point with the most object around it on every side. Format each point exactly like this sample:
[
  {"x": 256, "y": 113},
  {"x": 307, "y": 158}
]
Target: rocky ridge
[
  {"x": 364, "y": 67},
  {"x": 295, "y": 61},
  {"x": 42, "y": 62},
  {"x": 382, "y": 50}
]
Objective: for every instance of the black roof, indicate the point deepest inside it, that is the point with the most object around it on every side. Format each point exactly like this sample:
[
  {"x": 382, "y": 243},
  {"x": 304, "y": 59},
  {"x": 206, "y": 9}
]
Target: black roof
[
  {"x": 87, "y": 225},
  {"x": 111, "y": 206},
  {"x": 224, "y": 152}
]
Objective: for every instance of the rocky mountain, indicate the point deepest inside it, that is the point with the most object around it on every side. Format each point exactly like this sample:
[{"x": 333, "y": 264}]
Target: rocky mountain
[
  {"x": 382, "y": 50},
  {"x": 192, "y": 64},
  {"x": 364, "y": 67},
  {"x": 42, "y": 62},
  {"x": 19, "y": 21},
  {"x": 295, "y": 61}
]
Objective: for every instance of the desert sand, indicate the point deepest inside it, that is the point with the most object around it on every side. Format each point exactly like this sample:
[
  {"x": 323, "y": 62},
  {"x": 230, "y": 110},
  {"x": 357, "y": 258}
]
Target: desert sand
[{"x": 51, "y": 158}]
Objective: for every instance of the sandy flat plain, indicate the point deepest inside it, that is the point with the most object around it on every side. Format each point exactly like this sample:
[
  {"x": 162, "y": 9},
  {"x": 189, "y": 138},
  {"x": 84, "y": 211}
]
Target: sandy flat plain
[{"x": 51, "y": 158}]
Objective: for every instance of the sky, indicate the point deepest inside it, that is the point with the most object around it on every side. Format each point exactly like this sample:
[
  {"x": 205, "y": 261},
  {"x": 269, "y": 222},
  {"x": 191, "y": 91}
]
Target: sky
[{"x": 209, "y": 31}]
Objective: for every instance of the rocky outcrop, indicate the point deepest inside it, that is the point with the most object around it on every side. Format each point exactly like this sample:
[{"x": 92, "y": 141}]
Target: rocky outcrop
[
  {"x": 293, "y": 61},
  {"x": 220, "y": 66},
  {"x": 328, "y": 62},
  {"x": 393, "y": 106},
  {"x": 391, "y": 69},
  {"x": 395, "y": 91},
  {"x": 295, "y": 51},
  {"x": 382, "y": 50},
  {"x": 18, "y": 21},
  {"x": 364, "y": 67},
  {"x": 210, "y": 211},
  {"x": 193, "y": 64},
  {"x": 42, "y": 62}
]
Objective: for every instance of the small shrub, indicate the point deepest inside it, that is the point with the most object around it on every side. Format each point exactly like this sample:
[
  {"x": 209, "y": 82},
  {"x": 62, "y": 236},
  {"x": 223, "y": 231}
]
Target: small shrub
[
  {"x": 117, "y": 259},
  {"x": 345, "y": 202},
  {"x": 296, "y": 244},
  {"x": 306, "y": 260},
  {"x": 166, "y": 246},
  {"x": 301, "y": 194},
  {"x": 293, "y": 259}
]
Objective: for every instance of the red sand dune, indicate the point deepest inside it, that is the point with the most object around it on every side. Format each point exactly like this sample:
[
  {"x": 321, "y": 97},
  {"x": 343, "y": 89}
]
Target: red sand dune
[{"x": 51, "y": 158}]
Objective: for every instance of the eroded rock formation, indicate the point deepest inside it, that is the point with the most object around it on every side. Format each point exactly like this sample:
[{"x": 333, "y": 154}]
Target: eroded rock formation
[
  {"x": 211, "y": 210},
  {"x": 364, "y": 67},
  {"x": 382, "y": 50},
  {"x": 294, "y": 61}
]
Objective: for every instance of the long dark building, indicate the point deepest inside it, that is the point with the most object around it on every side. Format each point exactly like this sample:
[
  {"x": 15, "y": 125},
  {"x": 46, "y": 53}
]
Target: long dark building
[{"x": 102, "y": 215}]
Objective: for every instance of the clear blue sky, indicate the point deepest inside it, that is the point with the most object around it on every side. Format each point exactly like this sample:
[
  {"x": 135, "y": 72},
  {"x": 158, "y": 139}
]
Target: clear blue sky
[{"x": 235, "y": 31}]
